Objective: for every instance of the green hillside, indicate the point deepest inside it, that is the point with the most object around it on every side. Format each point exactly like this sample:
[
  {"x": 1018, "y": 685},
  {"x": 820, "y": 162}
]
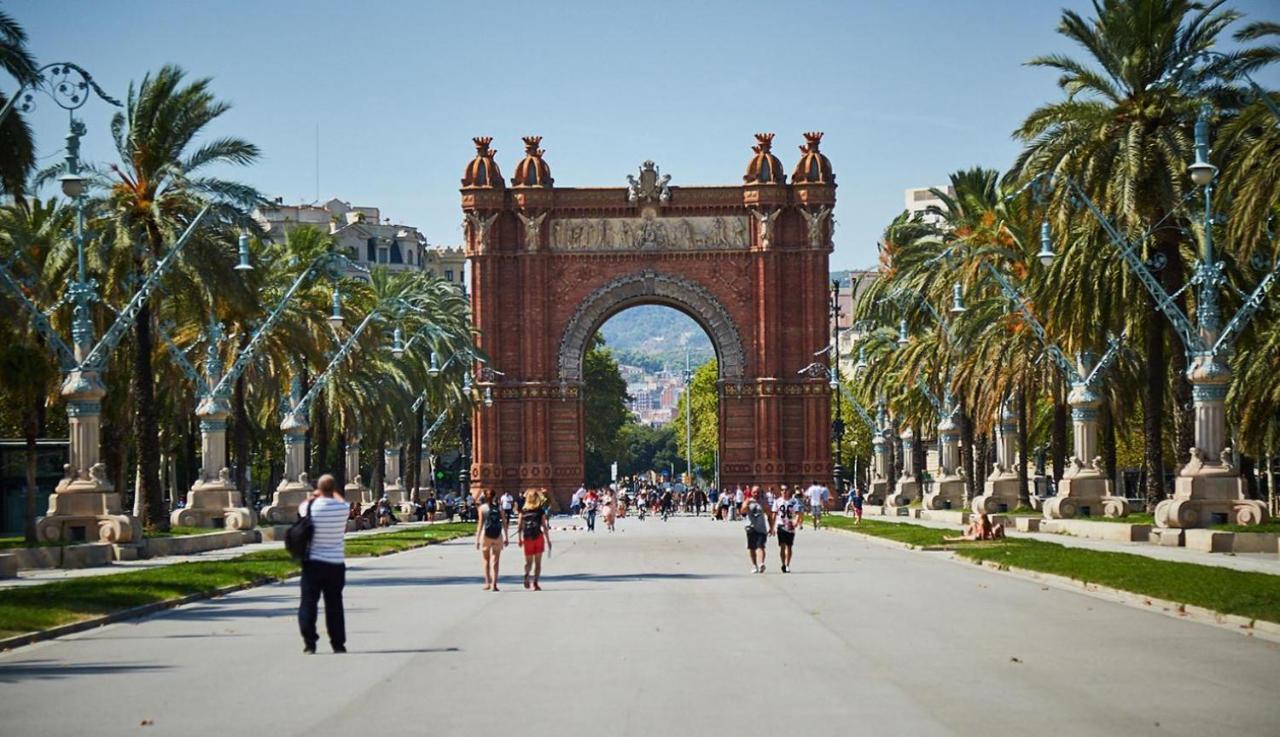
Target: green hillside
[{"x": 653, "y": 335}]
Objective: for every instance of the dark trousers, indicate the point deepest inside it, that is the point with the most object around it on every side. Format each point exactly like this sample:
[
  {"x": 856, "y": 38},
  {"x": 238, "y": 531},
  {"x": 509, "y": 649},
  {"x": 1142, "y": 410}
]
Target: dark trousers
[
  {"x": 327, "y": 579},
  {"x": 591, "y": 519}
]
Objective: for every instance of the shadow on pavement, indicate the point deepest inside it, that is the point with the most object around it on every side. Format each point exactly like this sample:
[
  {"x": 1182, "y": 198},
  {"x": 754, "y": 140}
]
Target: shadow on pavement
[{"x": 52, "y": 669}]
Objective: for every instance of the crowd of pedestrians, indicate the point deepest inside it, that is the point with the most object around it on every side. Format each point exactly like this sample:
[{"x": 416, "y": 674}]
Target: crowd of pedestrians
[{"x": 765, "y": 512}]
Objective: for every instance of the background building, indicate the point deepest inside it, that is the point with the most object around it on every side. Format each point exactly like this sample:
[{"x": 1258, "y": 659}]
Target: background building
[
  {"x": 920, "y": 200},
  {"x": 366, "y": 237}
]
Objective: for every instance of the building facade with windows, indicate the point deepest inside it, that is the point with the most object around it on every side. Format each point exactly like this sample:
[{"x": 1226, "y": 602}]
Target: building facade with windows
[
  {"x": 366, "y": 237},
  {"x": 922, "y": 201}
]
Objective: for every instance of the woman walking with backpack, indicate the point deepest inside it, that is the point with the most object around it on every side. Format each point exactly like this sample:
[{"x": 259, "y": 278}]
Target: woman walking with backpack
[
  {"x": 534, "y": 536},
  {"x": 491, "y": 537}
]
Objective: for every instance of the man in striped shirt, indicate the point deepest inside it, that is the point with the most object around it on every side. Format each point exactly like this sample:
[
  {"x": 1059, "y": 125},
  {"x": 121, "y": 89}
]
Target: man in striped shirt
[{"x": 323, "y": 570}]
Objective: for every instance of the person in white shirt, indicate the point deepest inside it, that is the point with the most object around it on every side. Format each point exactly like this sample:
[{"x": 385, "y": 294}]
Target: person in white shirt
[
  {"x": 738, "y": 498},
  {"x": 818, "y": 496},
  {"x": 323, "y": 571},
  {"x": 508, "y": 505}
]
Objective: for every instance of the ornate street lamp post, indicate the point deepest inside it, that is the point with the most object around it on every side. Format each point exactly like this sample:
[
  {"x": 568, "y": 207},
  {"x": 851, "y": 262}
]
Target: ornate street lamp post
[{"x": 837, "y": 424}]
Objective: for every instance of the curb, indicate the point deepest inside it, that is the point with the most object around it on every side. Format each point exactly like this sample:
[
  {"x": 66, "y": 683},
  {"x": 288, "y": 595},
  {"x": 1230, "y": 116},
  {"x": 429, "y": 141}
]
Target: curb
[
  {"x": 1257, "y": 628},
  {"x": 138, "y": 612},
  {"x": 30, "y": 638}
]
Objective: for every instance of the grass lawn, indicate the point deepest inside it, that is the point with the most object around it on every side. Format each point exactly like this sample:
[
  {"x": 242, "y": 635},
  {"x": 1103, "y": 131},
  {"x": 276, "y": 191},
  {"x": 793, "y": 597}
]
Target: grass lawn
[
  {"x": 8, "y": 543},
  {"x": 1272, "y": 525},
  {"x": 1133, "y": 518},
  {"x": 1252, "y": 595},
  {"x": 179, "y": 531},
  {"x": 32, "y": 608}
]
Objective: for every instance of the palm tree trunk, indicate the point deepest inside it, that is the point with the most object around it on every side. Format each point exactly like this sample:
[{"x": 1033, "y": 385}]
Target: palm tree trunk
[
  {"x": 1153, "y": 408},
  {"x": 1107, "y": 439},
  {"x": 980, "y": 462},
  {"x": 415, "y": 453},
  {"x": 240, "y": 429},
  {"x": 321, "y": 444},
  {"x": 966, "y": 454},
  {"x": 1059, "y": 440},
  {"x": 1024, "y": 491},
  {"x": 146, "y": 429},
  {"x": 340, "y": 468}
]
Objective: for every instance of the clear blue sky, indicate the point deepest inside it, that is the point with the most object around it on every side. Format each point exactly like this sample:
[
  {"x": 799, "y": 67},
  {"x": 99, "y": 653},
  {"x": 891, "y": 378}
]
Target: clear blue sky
[{"x": 906, "y": 92}]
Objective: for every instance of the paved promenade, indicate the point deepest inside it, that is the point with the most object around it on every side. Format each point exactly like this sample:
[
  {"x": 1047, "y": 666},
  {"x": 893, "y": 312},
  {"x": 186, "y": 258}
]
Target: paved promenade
[{"x": 658, "y": 629}]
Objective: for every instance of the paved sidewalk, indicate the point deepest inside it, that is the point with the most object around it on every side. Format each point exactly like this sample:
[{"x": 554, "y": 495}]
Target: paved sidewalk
[
  {"x": 1256, "y": 562},
  {"x": 657, "y": 629},
  {"x": 38, "y": 576}
]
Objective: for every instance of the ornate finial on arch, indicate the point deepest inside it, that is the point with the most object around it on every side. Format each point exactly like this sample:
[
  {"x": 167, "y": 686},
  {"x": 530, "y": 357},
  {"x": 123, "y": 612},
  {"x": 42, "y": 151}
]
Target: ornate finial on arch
[
  {"x": 532, "y": 171},
  {"x": 483, "y": 171},
  {"x": 764, "y": 167},
  {"x": 814, "y": 166}
]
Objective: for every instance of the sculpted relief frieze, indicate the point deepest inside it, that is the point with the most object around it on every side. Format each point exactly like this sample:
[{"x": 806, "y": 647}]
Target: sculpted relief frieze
[{"x": 659, "y": 234}]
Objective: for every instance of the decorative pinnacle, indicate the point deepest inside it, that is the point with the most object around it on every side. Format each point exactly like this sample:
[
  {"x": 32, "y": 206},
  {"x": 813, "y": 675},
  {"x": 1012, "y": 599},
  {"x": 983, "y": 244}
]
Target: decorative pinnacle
[
  {"x": 482, "y": 145},
  {"x": 765, "y": 143},
  {"x": 812, "y": 139},
  {"x": 531, "y": 145}
]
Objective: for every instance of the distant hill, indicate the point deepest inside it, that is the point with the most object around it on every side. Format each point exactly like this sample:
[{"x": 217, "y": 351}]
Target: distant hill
[{"x": 653, "y": 335}]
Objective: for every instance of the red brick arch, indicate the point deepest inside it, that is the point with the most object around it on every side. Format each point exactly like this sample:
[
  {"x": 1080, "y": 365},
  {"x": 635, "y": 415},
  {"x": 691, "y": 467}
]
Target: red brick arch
[{"x": 550, "y": 264}]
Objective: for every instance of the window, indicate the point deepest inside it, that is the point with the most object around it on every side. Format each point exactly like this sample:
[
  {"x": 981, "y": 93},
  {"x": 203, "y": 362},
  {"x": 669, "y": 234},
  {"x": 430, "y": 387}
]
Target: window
[
  {"x": 370, "y": 250},
  {"x": 382, "y": 255},
  {"x": 395, "y": 252},
  {"x": 409, "y": 256},
  {"x": 448, "y": 274}
]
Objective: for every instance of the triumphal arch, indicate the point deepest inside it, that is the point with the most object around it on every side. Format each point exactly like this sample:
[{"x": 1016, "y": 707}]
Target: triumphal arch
[{"x": 550, "y": 264}]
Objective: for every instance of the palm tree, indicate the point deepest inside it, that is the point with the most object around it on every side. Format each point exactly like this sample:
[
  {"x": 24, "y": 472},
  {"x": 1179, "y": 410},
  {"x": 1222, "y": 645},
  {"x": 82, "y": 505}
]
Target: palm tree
[
  {"x": 1124, "y": 135},
  {"x": 33, "y": 230},
  {"x": 152, "y": 194},
  {"x": 17, "y": 150}
]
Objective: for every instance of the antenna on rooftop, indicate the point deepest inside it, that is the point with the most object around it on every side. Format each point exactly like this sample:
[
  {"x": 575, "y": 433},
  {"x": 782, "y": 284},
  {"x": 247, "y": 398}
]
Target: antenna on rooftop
[{"x": 317, "y": 161}]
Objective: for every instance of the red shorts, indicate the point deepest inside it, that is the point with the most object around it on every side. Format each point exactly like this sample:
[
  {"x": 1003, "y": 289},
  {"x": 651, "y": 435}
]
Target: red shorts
[{"x": 535, "y": 546}]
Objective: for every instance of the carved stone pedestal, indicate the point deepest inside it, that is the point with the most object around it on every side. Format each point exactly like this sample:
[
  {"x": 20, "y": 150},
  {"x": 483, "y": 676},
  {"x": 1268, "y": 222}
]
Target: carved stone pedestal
[
  {"x": 1084, "y": 493},
  {"x": 947, "y": 493},
  {"x": 1208, "y": 494},
  {"x": 216, "y": 503},
  {"x": 908, "y": 491},
  {"x": 355, "y": 492},
  {"x": 286, "y": 499},
  {"x": 87, "y": 510},
  {"x": 878, "y": 492},
  {"x": 999, "y": 494}
]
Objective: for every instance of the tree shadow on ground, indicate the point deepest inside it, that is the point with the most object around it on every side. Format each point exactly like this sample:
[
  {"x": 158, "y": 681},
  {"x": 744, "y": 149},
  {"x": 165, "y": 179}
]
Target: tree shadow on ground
[{"x": 53, "y": 669}]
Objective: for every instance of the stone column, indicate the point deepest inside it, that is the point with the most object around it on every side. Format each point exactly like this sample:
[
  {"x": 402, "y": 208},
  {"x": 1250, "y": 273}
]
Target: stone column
[
  {"x": 295, "y": 487},
  {"x": 393, "y": 484},
  {"x": 908, "y": 485},
  {"x": 85, "y": 506},
  {"x": 1084, "y": 489},
  {"x": 1000, "y": 492},
  {"x": 879, "y": 490},
  {"x": 1209, "y": 490},
  {"x": 355, "y": 491},
  {"x": 948, "y": 488},
  {"x": 214, "y": 500}
]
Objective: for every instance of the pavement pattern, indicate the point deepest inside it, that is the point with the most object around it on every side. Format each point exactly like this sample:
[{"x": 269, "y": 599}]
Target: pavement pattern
[{"x": 657, "y": 629}]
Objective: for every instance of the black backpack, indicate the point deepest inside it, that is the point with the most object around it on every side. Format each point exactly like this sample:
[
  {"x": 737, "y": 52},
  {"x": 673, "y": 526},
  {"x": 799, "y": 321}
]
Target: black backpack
[
  {"x": 493, "y": 522},
  {"x": 532, "y": 524},
  {"x": 297, "y": 539}
]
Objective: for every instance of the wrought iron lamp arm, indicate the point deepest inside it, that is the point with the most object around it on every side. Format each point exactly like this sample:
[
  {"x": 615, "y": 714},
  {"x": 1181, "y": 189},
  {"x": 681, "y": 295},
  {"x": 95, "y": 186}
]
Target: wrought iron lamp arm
[
  {"x": 69, "y": 94},
  {"x": 1064, "y": 365},
  {"x": 246, "y": 356},
  {"x": 97, "y": 358},
  {"x": 933, "y": 398},
  {"x": 1108, "y": 358},
  {"x": 1246, "y": 311},
  {"x": 818, "y": 370},
  {"x": 1129, "y": 253},
  {"x": 304, "y": 405},
  {"x": 184, "y": 363},
  {"x": 66, "y": 357}
]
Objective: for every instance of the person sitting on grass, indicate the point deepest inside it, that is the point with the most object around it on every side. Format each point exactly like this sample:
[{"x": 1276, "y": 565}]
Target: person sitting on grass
[{"x": 980, "y": 528}]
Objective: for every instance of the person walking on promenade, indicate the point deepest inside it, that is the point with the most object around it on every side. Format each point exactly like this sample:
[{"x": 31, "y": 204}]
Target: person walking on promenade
[
  {"x": 739, "y": 497},
  {"x": 534, "y": 535},
  {"x": 788, "y": 514},
  {"x": 491, "y": 537},
  {"x": 759, "y": 524},
  {"x": 855, "y": 501},
  {"x": 324, "y": 572},
  {"x": 508, "y": 504},
  {"x": 592, "y": 506},
  {"x": 608, "y": 511},
  {"x": 818, "y": 496}
]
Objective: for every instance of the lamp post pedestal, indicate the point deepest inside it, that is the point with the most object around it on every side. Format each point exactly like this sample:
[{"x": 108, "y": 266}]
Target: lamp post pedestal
[
  {"x": 1208, "y": 489},
  {"x": 355, "y": 492},
  {"x": 879, "y": 488},
  {"x": 1084, "y": 490},
  {"x": 948, "y": 490},
  {"x": 1000, "y": 492},
  {"x": 393, "y": 487},
  {"x": 85, "y": 506},
  {"x": 295, "y": 487},
  {"x": 909, "y": 484},
  {"x": 213, "y": 500}
]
